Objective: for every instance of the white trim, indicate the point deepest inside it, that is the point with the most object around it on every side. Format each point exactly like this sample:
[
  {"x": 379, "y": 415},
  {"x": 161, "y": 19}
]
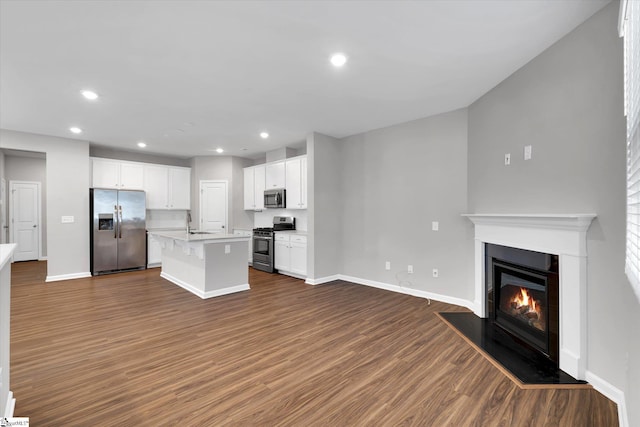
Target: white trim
[
  {"x": 204, "y": 295},
  {"x": 622, "y": 15},
  {"x": 407, "y": 291},
  {"x": 226, "y": 291},
  {"x": 67, "y": 277},
  {"x": 42, "y": 258},
  {"x": 322, "y": 280},
  {"x": 10, "y": 406},
  {"x": 613, "y": 394}
]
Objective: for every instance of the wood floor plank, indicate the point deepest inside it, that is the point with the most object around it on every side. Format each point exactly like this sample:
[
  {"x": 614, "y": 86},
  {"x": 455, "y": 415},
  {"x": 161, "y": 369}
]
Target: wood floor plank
[{"x": 134, "y": 349}]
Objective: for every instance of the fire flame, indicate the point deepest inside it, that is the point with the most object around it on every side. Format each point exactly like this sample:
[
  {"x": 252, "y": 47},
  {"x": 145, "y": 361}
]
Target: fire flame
[{"x": 525, "y": 300}]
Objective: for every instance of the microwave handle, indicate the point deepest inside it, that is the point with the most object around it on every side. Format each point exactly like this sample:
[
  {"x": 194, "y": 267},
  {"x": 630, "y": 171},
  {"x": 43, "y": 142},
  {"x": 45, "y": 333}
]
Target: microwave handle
[{"x": 278, "y": 199}]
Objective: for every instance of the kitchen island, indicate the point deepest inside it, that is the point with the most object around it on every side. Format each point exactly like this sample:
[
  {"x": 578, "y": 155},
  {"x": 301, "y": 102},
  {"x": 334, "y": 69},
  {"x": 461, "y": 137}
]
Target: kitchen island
[{"x": 206, "y": 264}]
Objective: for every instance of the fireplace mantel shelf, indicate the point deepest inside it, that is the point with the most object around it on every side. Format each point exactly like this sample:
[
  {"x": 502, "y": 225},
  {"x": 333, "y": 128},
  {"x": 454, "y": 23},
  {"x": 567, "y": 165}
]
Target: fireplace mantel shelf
[{"x": 574, "y": 221}]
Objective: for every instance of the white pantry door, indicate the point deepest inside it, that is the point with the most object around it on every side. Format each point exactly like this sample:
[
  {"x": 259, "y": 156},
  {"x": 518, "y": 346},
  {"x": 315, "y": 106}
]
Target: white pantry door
[
  {"x": 3, "y": 211},
  {"x": 213, "y": 206},
  {"x": 25, "y": 219}
]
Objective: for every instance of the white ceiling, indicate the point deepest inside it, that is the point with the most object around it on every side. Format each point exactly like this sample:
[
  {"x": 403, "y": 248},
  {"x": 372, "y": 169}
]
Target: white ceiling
[{"x": 190, "y": 76}]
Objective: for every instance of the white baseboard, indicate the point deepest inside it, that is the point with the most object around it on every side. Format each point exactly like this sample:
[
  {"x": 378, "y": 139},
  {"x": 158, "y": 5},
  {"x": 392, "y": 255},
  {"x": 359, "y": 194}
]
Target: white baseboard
[
  {"x": 409, "y": 291},
  {"x": 322, "y": 280},
  {"x": 204, "y": 295},
  {"x": 9, "y": 406},
  {"x": 42, "y": 258},
  {"x": 612, "y": 393},
  {"x": 226, "y": 291},
  {"x": 67, "y": 277}
]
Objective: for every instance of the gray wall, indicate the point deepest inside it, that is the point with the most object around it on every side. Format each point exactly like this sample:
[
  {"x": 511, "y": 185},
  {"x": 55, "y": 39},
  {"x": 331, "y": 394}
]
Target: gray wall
[
  {"x": 395, "y": 182},
  {"x": 241, "y": 218},
  {"x": 19, "y": 168},
  {"x": 324, "y": 202},
  {"x": 132, "y": 156},
  {"x": 67, "y": 194},
  {"x": 568, "y": 104}
]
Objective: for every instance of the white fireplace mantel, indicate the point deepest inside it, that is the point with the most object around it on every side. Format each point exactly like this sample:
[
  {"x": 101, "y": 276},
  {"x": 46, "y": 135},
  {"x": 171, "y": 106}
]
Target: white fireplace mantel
[{"x": 564, "y": 235}]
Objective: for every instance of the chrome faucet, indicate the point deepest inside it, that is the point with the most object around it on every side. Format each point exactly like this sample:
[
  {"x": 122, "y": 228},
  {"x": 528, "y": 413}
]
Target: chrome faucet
[{"x": 188, "y": 222}]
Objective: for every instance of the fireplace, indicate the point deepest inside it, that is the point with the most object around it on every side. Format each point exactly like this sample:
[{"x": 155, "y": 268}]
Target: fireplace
[
  {"x": 522, "y": 296},
  {"x": 561, "y": 234}
]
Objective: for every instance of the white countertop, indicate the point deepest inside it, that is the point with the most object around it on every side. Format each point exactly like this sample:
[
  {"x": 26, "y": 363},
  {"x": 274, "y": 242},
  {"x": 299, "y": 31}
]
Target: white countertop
[
  {"x": 5, "y": 253},
  {"x": 205, "y": 238}
]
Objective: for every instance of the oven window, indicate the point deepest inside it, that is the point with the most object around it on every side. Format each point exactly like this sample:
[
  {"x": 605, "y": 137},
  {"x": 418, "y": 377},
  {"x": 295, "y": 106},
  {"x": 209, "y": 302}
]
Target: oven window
[{"x": 261, "y": 246}]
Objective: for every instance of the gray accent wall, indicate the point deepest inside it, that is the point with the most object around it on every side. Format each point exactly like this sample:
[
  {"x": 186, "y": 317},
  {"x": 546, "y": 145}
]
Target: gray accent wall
[
  {"x": 136, "y": 156},
  {"x": 325, "y": 198},
  {"x": 395, "y": 182},
  {"x": 567, "y": 103},
  {"x": 67, "y": 194},
  {"x": 30, "y": 169}
]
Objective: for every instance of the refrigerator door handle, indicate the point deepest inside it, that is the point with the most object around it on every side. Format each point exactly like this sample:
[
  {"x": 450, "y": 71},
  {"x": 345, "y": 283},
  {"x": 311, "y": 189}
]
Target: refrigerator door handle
[
  {"x": 120, "y": 222},
  {"x": 115, "y": 220}
]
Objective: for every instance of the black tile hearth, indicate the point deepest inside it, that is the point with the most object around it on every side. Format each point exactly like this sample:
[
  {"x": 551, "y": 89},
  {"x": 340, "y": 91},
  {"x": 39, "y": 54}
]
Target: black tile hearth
[{"x": 529, "y": 366}]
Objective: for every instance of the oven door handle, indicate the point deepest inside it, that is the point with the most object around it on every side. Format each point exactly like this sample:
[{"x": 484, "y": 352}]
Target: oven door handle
[{"x": 261, "y": 238}]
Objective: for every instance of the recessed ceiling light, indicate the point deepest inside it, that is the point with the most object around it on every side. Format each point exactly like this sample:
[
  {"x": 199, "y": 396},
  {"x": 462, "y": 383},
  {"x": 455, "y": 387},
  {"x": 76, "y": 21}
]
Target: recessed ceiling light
[
  {"x": 89, "y": 94},
  {"x": 142, "y": 144},
  {"x": 75, "y": 129},
  {"x": 338, "y": 59},
  {"x": 219, "y": 150},
  {"x": 264, "y": 135}
]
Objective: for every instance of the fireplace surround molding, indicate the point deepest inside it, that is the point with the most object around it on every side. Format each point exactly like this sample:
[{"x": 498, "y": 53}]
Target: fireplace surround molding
[{"x": 564, "y": 235}]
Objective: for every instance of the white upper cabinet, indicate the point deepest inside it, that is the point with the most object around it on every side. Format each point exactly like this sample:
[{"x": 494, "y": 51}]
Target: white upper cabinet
[
  {"x": 254, "y": 185},
  {"x": 156, "y": 179},
  {"x": 117, "y": 174},
  {"x": 296, "y": 183},
  {"x": 179, "y": 188},
  {"x": 275, "y": 175},
  {"x": 167, "y": 187}
]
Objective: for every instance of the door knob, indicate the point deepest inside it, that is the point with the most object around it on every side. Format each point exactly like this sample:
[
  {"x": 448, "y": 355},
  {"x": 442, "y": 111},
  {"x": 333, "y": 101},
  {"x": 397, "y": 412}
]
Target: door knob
[{"x": 34, "y": 226}]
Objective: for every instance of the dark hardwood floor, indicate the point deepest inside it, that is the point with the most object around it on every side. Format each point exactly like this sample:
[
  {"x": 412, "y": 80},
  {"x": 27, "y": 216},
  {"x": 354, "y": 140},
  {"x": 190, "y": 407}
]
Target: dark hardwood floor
[{"x": 133, "y": 349}]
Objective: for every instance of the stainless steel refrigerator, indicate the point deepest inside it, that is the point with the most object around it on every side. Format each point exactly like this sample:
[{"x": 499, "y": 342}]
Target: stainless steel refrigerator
[{"x": 118, "y": 234}]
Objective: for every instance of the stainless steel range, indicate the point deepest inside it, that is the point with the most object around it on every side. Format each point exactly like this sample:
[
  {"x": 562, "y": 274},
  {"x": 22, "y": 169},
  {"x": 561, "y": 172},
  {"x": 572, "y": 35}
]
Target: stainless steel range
[{"x": 263, "y": 253}]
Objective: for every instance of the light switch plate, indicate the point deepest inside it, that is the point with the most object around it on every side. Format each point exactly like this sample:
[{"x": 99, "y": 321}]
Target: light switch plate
[
  {"x": 507, "y": 159},
  {"x": 527, "y": 152},
  {"x": 435, "y": 225},
  {"x": 68, "y": 219}
]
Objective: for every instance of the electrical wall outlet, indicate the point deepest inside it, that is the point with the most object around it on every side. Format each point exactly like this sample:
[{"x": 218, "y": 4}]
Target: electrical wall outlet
[
  {"x": 435, "y": 225},
  {"x": 527, "y": 152},
  {"x": 387, "y": 265},
  {"x": 507, "y": 159},
  {"x": 410, "y": 269},
  {"x": 435, "y": 272},
  {"x": 227, "y": 249}
]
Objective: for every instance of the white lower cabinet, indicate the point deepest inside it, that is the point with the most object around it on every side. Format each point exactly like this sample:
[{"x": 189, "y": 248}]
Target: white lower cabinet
[{"x": 291, "y": 254}]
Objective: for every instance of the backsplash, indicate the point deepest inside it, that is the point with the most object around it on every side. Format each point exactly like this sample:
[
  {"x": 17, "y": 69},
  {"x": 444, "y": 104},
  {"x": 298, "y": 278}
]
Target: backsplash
[
  {"x": 265, "y": 217},
  {"x": 166, "y": 219}
]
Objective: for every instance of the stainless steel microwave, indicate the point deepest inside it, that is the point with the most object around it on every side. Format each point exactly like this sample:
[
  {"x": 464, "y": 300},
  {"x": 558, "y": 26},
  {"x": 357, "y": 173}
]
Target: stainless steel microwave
[{"x": 275, "y": 198}]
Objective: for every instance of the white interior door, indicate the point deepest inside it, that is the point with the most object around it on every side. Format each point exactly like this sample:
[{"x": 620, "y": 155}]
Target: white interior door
[
  {"x": 25, "y": 219},
  {"x": 4, "y": 228},
  {"x": 213, "y": 206}
]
